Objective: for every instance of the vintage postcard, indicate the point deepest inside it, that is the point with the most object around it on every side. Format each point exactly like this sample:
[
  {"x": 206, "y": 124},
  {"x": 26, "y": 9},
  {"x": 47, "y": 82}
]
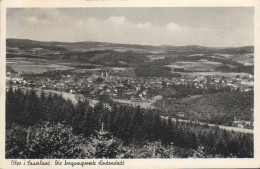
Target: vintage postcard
[{"x": 129, "y": 84}]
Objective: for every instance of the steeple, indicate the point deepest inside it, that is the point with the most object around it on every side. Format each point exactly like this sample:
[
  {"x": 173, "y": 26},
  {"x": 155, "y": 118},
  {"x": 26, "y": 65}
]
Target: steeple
[{"x": 106, "y": 75}]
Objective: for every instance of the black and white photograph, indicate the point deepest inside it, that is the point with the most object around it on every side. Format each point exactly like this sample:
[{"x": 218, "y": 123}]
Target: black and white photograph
[{"x": 129, "y": 83}]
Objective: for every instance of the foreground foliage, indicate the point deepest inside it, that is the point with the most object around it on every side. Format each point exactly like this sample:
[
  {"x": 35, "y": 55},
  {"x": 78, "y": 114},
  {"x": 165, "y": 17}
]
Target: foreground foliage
[
  {"x": 56, "y": 141},
  {"x": 52, "y": 127}
]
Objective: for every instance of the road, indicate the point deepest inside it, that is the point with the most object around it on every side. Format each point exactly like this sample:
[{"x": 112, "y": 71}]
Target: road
[
  {"x": 72, "y": 97},
  {"x": 236, "y": 129}
]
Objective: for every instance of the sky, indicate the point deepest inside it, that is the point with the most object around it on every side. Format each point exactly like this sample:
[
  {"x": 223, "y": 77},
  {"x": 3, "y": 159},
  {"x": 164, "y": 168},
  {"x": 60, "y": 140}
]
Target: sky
[{"x": 178, "y": 26}]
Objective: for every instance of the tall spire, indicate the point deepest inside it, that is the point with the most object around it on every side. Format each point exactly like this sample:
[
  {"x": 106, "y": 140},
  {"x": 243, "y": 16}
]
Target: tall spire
[{"x": 106, "y": 75}]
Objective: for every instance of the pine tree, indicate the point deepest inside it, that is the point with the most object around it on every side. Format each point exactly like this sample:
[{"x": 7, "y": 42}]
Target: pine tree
[
  {"x": 136, "y": 124},
  {"x": 32, "y": 108},
  {"x": 169, "y": 131},
  {"x": 10, "y": 104}
]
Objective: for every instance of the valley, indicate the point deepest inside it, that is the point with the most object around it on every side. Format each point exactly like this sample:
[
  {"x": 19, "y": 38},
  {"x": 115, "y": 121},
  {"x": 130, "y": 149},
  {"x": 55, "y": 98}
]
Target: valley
[{"x": 136, "y": 74}]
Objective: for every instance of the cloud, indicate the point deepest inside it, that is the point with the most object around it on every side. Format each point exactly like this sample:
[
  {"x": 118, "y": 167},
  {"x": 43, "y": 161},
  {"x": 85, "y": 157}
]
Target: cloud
[
  {"x": 116, "y": 20},
  {"x": 57, "y": 25},
  {"x": 119, "y": 30},
  {"x": 173, "y": 27},
  {"x": 144, "y": 25}
]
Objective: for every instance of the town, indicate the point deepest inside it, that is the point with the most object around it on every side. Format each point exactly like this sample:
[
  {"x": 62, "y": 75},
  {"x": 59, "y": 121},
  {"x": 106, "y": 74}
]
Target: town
[
  {"x": 106, "y": 85},
  {"x": 100, "y": 82}
]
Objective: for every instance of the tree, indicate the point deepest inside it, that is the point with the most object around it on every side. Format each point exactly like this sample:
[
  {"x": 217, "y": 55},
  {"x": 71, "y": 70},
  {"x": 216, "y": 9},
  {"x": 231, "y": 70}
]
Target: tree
[
  {"x": 99, "y": 80},
  {"x": 10, "y": 104},
  {"x": 104, "y": 147},
  {"x": 43, "y": 141},
  {"x": 136, "y": 124}
]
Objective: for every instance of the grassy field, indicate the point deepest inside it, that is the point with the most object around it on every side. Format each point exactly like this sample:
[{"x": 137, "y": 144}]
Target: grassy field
[
  {"x": 215, "y": 73},
  {"x": 142, "y": 103},
  {"x": 202, "y": 64},
  {"x": 19, "y": 65}
]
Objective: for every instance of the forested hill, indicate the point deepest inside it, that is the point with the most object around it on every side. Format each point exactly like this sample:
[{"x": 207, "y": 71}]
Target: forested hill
[
  {"x": 90, "y": 46},
  {"x": 228, "y": 59}
]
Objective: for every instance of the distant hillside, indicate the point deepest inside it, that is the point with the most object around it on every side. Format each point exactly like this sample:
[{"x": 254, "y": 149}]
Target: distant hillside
[
  {"x": 78, "y": 46},
  {"x": 206, "y": 50},
  {"x": 25, "y": 44},
  {"x": 107, "y": 57},
  {"x": 238, "y": 59},
  {"x": 72, "y": 52},
  {"x": 219, "y": 108},
  {"x": 86, "y": 46}
]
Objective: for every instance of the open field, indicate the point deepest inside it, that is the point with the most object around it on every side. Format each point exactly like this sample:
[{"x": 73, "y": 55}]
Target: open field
[
  {"x": 245, "y": 59},
  {"x": 215, "y": 73},
  {"x": 202, "y": 64},
  {"x": 33, "y": 67},
  {"x": 142, "y": 103},
  {"x": 65, "y": 95}
]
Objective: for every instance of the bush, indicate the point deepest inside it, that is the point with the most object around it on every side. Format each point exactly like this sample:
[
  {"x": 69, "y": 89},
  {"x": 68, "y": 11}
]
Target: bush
[
  {"x": 104, "y": 147},
  {"x": 43, "y": 141}
]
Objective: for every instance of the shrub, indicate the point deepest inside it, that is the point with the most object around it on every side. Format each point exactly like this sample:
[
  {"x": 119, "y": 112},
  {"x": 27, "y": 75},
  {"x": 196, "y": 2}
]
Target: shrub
[{"x": 43, "y": 141}]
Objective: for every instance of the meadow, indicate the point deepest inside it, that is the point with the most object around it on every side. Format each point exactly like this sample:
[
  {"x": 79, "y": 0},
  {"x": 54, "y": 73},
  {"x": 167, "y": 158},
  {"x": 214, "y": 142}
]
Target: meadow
[{"x": 33, "y": 67}]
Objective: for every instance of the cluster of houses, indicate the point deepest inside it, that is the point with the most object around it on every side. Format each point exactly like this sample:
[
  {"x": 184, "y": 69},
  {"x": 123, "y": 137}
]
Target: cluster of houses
[
  {"x": 101, "y": 82},
  {"x": 243, "y": 84},
  {"x": 242, "y": 123},
  {"x": 128, "y": 88}
]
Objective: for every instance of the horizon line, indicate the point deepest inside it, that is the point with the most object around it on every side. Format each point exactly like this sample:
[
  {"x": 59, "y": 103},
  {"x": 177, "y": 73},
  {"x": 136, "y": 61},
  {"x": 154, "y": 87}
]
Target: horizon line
[{"x": 134, "y": 43}]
